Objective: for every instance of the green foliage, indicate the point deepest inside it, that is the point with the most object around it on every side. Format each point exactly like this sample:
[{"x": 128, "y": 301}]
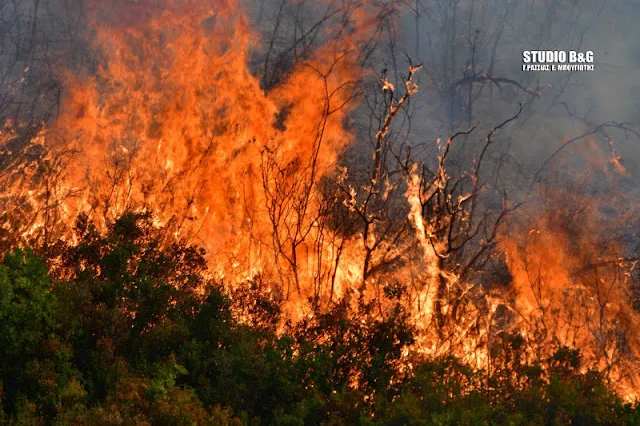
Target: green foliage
[
  {"x": 27, "y": 306},
  {"x": 129, "y": 331},
  {"x": 35, "y": 363}
]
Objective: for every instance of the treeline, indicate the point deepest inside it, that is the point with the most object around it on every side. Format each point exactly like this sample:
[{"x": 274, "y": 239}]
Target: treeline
[{"x": 122, "y": 329}]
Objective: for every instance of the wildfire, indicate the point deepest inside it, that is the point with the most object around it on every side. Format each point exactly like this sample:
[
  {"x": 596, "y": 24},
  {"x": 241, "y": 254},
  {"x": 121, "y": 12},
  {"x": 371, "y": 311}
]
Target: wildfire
[{"x": 174, "y": 120}]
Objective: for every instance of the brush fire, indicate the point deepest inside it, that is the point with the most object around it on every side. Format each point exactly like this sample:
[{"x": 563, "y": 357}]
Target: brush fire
[{"x": 350, "y": 161}]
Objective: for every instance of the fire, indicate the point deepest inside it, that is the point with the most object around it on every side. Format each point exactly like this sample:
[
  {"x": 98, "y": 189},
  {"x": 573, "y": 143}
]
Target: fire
[
  {"x": 174, "y": 120},
  {"x": 572, "y": 289}
]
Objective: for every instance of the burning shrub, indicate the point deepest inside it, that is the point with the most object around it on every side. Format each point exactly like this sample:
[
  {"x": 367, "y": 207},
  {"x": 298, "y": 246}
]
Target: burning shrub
[{"x": 130, "y": 329}]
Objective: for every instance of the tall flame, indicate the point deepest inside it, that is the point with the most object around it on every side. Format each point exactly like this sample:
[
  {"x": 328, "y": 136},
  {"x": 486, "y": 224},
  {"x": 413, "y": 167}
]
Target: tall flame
[{"x": 173, "y": 119}]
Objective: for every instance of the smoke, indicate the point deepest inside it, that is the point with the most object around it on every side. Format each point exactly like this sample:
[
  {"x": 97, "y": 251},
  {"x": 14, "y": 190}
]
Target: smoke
[{"x": 472, "y": 55}]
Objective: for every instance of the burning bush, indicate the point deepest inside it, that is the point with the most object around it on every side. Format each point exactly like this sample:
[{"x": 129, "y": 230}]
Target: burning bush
[
  {"x": 130, "y": 332},
  {"x": 244, "y": 241}
]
